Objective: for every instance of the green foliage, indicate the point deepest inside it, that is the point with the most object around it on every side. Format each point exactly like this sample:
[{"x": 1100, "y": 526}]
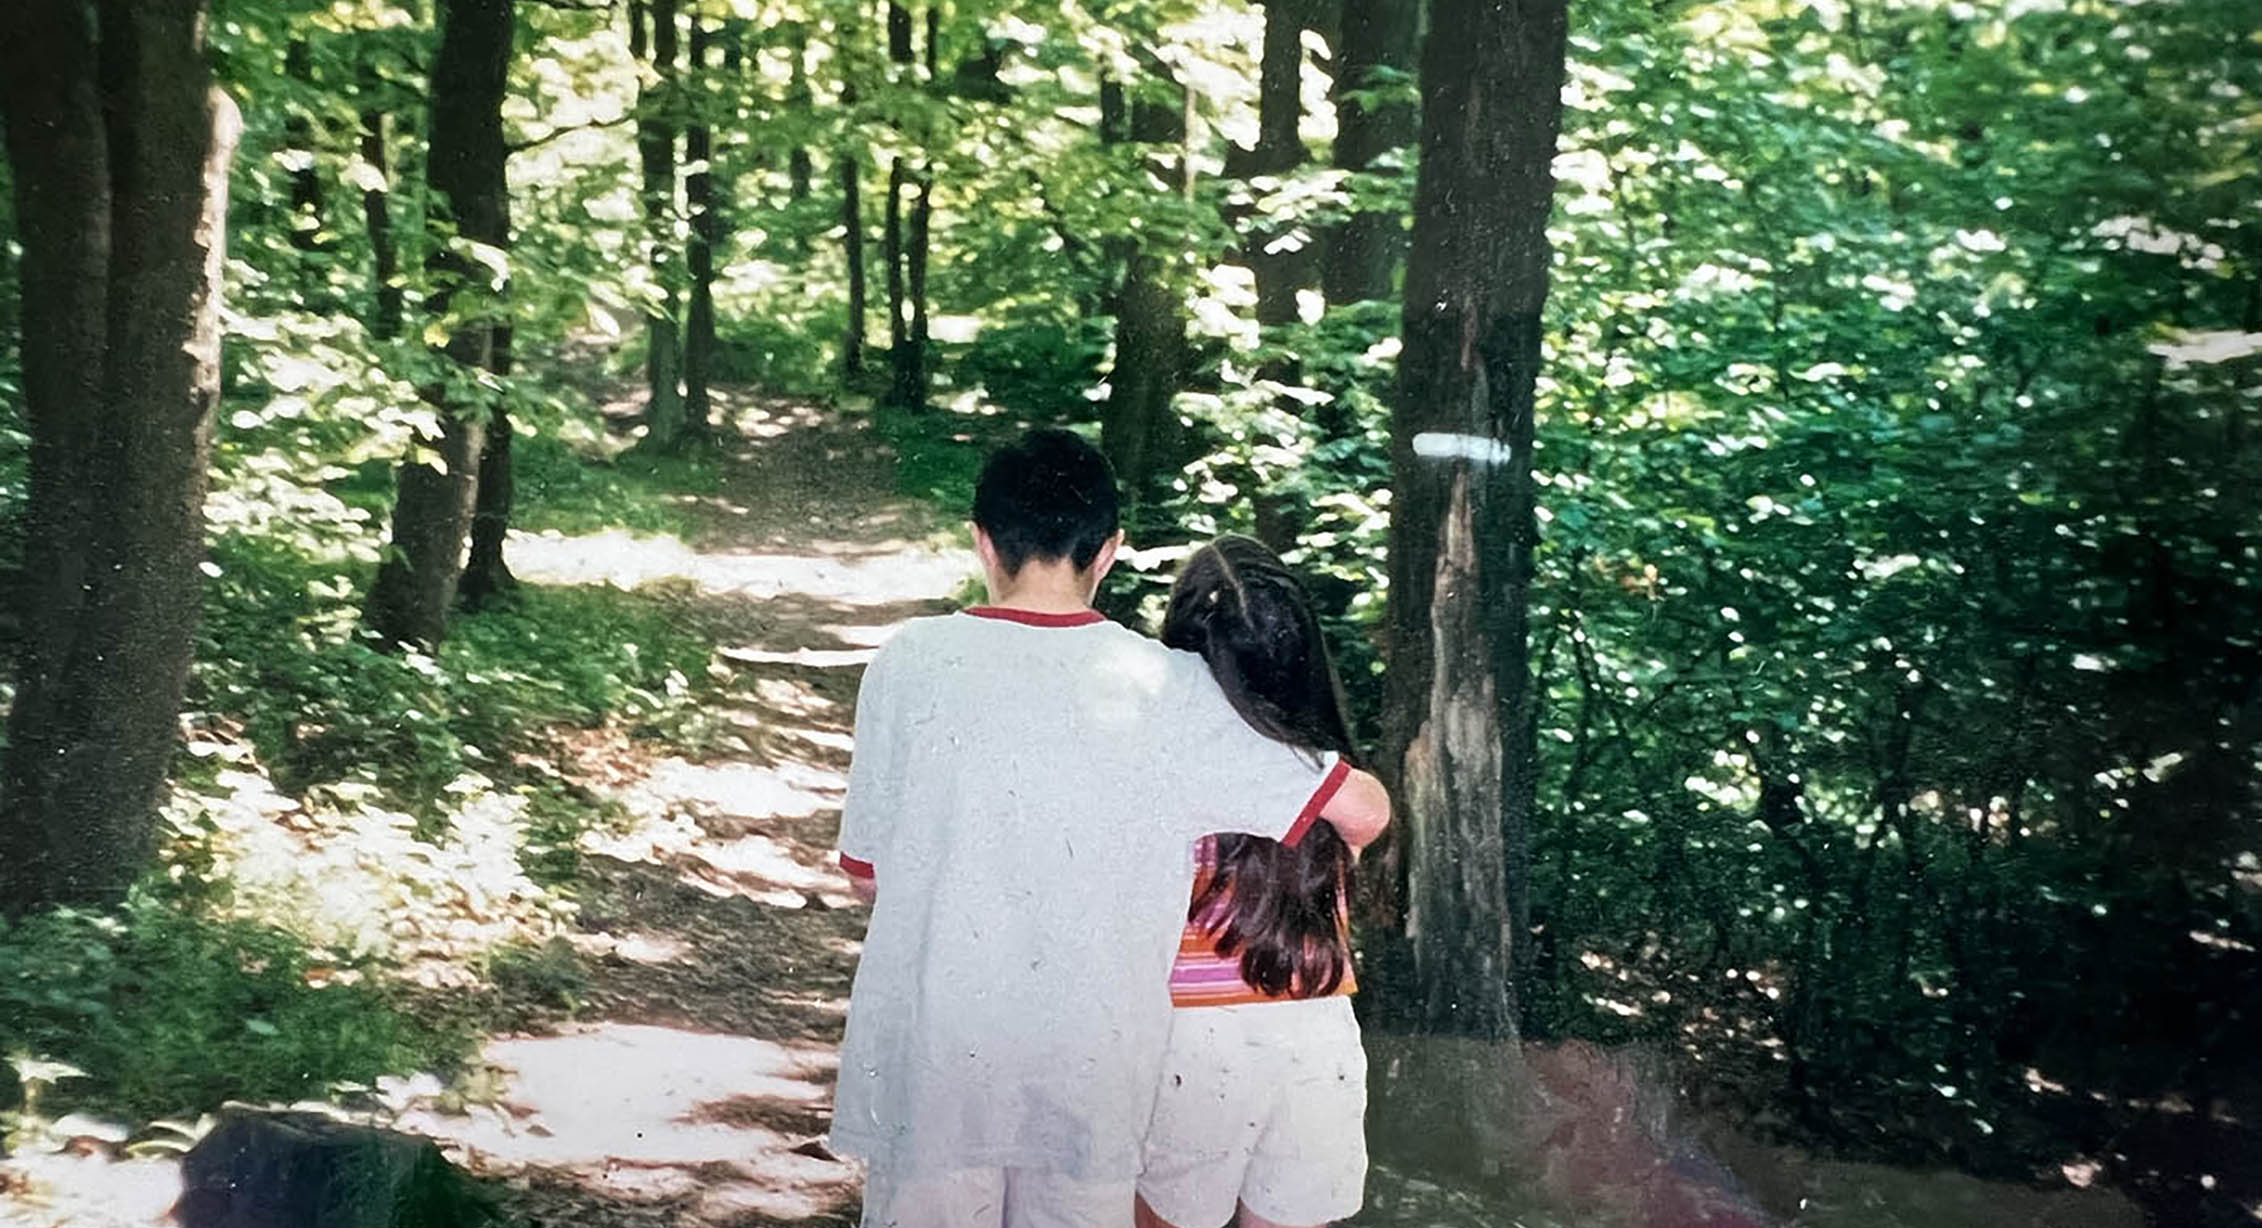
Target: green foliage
[
  {"x": 1304, "y": 464},
  {"x": 165, "y": 1012},
  {"x": 1037, "y": 366},
  {"x": 939, "y": 452},
  {"x": 322, "y": 704},
  {"x": 1889, "y": 611},
  {"x": 548, "y": 975},
  {"x": 563, "y": 489},
  {"x": 779, "y": 357}
]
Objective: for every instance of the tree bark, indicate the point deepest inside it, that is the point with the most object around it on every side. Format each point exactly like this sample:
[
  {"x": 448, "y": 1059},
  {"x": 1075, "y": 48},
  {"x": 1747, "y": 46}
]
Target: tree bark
[
  {"x": 911, "y": 369},
  {"x": 487, "y": 575},
  {"x": 666, "y": 421},
  {"x": 905, "y": 247},
  {"x": 891, "y": 254},
  {"x": 1459, "y": 696},
  {"x": 1459, "y": 693},
  {"x": 119, "y": 148},
  {"x": 852, "y": 223},
  {"x": 1137, "y": 427},
  {"x": 1150, "y": 354},
  {"x": 1378, "y": 40},
  {"x": 899, "y": 33},
  {"x": 1280, "y": 150},
  {"x": 799, "y": 170},
  {"x": 377, "y": 216},
  {"x": 851, "y": 159},
  {"x": 706, "y": 233},
  {"x": 416, "y": 585}
]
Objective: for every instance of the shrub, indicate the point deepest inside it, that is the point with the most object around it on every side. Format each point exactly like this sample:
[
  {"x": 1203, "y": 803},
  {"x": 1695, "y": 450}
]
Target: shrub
[{"x": 164, "y": 1011}]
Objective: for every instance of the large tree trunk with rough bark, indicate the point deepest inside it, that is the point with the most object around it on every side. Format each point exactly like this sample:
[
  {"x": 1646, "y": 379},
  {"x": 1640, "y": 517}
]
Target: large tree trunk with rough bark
[
  {"x": 417, "y": 583},
  {"x": 1459, "y": 697},
  {"x": 653, "y": 32},
  {"x": 119, "y": 149},
  {"x": 1378, "y": 43}
]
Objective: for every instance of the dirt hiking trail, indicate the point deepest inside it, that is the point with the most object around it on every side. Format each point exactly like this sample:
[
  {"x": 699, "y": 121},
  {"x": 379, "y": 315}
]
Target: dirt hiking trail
[{"x": 717, "y": 937}]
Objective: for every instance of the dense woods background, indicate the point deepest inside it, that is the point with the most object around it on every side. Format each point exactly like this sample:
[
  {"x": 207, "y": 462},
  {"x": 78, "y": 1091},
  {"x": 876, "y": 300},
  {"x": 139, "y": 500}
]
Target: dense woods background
[{"x": 1783, "y": 476}]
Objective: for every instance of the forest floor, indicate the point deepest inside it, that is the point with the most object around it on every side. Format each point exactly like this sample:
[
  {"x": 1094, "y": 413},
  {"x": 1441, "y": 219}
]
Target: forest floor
[{"x": 669, "y": 1059}]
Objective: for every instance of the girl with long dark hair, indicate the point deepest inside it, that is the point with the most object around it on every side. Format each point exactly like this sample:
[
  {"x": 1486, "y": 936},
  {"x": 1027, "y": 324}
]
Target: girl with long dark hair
[{"x": 1263, "y": 1100}]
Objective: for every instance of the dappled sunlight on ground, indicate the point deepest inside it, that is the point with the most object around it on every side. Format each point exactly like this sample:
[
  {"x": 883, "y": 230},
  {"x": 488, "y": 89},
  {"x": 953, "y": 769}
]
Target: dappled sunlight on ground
[
  {"x": 705, "y": 1122},
  {"x": 877, "y": 573},
  {"x": 86, "y": 1191},
  {"x": 719, "y": 935}
]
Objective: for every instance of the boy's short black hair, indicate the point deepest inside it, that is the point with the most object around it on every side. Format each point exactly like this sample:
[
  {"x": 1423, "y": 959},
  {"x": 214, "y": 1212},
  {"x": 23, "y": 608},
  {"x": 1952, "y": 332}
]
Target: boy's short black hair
[{"x": 1047, "y": 495}]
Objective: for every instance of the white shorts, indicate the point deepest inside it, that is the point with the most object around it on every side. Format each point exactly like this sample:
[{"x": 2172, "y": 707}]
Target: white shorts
[
  {"x": 1265, "y": 1105},
  {"x": 995, "y": 1198}
]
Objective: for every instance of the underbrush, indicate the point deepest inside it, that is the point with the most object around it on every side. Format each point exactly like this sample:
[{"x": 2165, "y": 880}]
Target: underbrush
[
  {"x": 563, "y": 487},
  {"x": 156, "y": 1010},
  {"x": 940, "y": 449},
  {"x": 283, "y": 661}
]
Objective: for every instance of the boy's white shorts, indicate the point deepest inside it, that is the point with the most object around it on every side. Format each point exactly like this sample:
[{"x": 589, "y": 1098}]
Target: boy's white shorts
[
  {"x": 1265, "y": 1105},
  {"x": 995, "y": 1198}
]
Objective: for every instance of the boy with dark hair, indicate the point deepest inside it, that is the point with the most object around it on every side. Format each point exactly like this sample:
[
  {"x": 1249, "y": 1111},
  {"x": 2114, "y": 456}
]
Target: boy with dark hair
[{"x": 1028, "y": 783}]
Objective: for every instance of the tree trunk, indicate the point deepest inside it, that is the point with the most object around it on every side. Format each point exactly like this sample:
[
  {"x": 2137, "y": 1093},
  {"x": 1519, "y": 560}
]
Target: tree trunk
[
  {"x": 891, "y": 254},
  {"x": 906, "y": 352},
  {"x": 416, "y": 584},
  {"x": 666, "y": 423},
  {"x": 899, "y": 34},
  {"x": 119, "y": 148},
  {"x": 799, "y": 171},
  {"x": 1150, "y": 343},
  {"x": 1280, "y": 150},
  {"x": 377, "y": 215},
  {"x": 907, "y": 288},
  {"x": 699, "y": 197},
  {"x": 1137, "y": 427},
  {"x": 851, "y": 159},
  {"x": 487, "y": 575},
  {"x": 911, "y": 369},
  {"x": 1460, "y": 693},
  {"x": 852, "y": 223},
  {"x": 306, "y": 181},
  {"x": 1363, "y": 252}
]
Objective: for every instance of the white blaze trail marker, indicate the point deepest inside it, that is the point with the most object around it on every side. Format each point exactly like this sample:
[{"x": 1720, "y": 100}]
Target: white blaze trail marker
[{"x": 1476, "y": 449}]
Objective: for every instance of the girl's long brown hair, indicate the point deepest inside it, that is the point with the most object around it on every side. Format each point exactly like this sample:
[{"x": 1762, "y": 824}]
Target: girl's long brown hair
[{"x": 1245, "y": 612}]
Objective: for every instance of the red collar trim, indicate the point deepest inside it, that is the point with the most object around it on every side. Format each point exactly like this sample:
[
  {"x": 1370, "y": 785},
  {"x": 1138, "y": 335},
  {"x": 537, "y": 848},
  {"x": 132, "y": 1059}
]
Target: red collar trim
[{"x": 1032, "y": 618}]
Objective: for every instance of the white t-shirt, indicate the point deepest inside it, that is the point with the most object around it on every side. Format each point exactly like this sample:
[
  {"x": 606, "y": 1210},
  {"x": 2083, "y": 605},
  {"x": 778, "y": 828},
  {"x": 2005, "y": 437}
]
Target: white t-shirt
[{"x": 1028, "y": 790}]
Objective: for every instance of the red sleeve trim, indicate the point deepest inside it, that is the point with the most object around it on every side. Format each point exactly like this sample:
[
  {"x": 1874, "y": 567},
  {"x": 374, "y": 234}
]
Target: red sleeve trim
[
  {"x": 857, "y": 867},
  {"x": 1320, "y": 798}
]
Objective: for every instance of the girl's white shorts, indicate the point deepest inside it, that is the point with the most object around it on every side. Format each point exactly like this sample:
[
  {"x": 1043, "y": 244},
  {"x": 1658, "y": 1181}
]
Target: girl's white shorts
[{"x": 1265, "y": 1105}]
